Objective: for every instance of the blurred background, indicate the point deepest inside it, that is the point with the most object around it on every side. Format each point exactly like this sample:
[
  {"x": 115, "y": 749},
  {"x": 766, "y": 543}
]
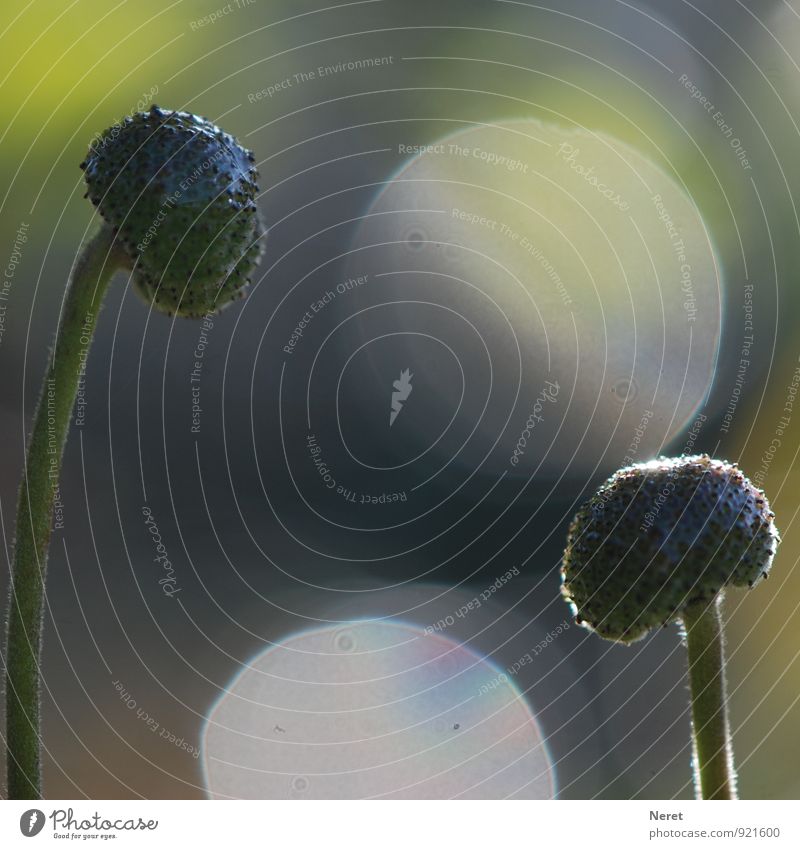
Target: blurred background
[{"x": 607, "y": 273}]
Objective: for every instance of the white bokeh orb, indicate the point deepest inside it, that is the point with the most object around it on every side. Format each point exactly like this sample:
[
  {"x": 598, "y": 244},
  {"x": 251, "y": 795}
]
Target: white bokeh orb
[
  {"x": 373, "y": 710},
  {"x": 505, "y": 259}
]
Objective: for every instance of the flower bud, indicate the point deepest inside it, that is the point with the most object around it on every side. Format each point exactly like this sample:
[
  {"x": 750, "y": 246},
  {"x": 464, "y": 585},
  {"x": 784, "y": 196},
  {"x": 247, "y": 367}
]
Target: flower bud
[
  {"x": 661, "y": 535},
  {"x": 180, "y": 195}
]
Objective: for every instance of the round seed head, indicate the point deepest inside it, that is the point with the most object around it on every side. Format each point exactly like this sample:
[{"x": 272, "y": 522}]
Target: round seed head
[
  {"x": 180, "y": 195},
  {"x": 660, "y": 535}
]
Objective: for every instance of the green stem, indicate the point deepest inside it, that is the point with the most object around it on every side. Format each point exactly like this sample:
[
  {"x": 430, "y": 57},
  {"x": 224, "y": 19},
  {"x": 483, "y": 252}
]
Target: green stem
[
  {"x": 93, "y": 272},
  {"x": 714, "y": 774}
]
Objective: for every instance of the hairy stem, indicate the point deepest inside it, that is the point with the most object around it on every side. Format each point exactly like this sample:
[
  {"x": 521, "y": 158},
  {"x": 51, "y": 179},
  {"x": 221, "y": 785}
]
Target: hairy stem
[
  {"x": 714, "y": 774},
  {"x": 93, "y": 272}
]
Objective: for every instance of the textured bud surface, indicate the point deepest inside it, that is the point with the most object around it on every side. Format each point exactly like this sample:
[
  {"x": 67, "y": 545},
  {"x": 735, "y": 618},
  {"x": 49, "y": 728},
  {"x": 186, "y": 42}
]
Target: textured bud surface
[
  {"x": 181, "y": 196},
  {"x": 660, "y": 535}
]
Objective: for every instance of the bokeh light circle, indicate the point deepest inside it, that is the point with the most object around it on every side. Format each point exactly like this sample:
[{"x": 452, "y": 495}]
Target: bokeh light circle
[
  {"x": 373, "y": 709},
  {"x": 579, "y": 263}
]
